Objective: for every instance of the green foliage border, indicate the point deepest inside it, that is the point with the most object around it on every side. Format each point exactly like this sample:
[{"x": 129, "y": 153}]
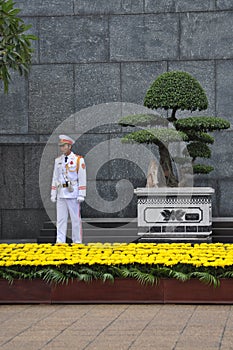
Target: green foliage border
[{"x": 146, "y": 274}]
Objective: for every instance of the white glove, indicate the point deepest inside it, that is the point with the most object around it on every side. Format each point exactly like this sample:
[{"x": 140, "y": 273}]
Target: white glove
[
  {"x": 53, "y": 199},
  {"x": 80, "y": 199}
]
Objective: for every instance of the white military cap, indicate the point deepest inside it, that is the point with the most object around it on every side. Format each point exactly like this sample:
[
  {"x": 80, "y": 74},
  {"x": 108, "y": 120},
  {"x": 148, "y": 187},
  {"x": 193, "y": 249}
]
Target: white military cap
[{"x": 65, "y": 139}]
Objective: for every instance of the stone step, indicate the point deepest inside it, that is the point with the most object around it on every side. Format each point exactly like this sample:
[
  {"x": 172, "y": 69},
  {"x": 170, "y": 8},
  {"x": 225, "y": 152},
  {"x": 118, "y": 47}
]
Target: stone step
[
  {"x": 18, "y": 240},
  {"x": 110, "y": 239},
  {"x": 174, "y": 240},
  {"x": 100, "y": 222},
  {"x": 96, "y": 232},
  {"x": 222, "y": 239},
  {"x": 92, "y": 239},
  {"x": 216, "y": 230},
  {"x": 224, "y": 222},
  {"x": 222, "y": 225},
  {"x": 115, "y": 230},
  {"x": 175, "y": 235},
  {"x": 46, "y": 239},
  {"x": 223, "y": 231},
  {"x": 218, "y": 222}
]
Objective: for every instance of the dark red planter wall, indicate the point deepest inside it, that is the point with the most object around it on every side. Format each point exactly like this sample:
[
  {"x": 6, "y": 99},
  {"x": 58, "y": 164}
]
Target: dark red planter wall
[{"x": 121, "y": 291}]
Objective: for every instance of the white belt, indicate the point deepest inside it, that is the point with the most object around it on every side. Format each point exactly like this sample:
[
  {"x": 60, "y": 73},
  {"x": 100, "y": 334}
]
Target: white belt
[
  {"x": 74, "y": 182},
  {"x": 59, "y": 184}
]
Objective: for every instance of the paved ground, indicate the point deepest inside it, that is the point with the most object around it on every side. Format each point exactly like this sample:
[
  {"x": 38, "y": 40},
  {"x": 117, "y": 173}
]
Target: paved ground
[{"x": 118, "y": 327}]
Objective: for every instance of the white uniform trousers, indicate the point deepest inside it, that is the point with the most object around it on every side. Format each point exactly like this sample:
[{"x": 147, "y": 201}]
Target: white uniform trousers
[{"x": 66, "y": 206}]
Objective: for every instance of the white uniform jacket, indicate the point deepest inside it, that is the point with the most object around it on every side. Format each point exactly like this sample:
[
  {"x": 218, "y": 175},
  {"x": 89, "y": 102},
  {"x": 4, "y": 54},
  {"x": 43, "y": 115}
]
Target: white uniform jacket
[{"x": 73, "y": 171}]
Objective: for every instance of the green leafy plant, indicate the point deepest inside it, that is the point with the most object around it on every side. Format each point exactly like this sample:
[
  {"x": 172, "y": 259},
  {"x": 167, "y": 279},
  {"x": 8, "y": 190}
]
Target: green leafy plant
[
  {"x": 144, "y": 274},
  {"x": 206, "y": 278},
  {"x": 15, "y": 45},
  {"x": 56, "y": 276},
  {"x": 175, "y": 91}
]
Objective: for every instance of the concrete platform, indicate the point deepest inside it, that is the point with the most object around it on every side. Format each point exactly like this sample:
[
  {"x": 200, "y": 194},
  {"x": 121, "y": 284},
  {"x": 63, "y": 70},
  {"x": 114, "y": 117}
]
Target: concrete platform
[{"x": 116, "y": 327}]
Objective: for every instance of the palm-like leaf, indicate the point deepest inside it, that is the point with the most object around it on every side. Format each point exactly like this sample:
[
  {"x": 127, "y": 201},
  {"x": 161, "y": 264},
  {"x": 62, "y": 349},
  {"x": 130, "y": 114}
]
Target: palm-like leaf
[
  {"x": 88, "y": 271},
  {"x": 142, "y": 277},
  {"x": 179, "y": 275},
  {"x": 73, "y": 274},
  {"x": 126, "y": 273},
  {"x": 206, "y": 278},
  {"x": 116, "y": 271},
  {"x": 227, "y": 274},
  {"x": 55, "y": 276},
  {"x": 107, "y": 277},
  {"x": 7, "y": 276}
]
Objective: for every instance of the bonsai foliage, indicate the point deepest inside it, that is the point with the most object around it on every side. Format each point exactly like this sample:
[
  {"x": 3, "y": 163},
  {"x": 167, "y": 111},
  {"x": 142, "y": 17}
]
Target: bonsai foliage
[
  {"x": 174, "y": 91},
  {"x": 15, "y": 45}
]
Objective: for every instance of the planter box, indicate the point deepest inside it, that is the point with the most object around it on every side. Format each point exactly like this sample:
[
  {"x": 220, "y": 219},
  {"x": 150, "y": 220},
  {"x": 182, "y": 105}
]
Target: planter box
[
  {"x": 121, "y": 291},
  {"x": 173, "y": 214},
  {"x": 25, "y": 292},
  {"x": 196, "y": 292}
]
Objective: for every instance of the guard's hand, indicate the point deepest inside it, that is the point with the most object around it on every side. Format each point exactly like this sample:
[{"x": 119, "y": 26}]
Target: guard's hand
[
  {"x": 80, "y": 199},
  {"x": 53, "y": 199}
]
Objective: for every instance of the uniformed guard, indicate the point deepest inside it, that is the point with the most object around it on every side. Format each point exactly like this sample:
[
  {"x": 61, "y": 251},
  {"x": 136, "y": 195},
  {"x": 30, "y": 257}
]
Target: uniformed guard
[{"x": 68, "y": 190}]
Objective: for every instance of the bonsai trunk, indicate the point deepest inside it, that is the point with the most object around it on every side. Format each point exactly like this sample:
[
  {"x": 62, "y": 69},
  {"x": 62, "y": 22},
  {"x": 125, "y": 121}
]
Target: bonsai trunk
[
  {"x": 172, "y": 118},
  {"x": 166, "y": 164}
]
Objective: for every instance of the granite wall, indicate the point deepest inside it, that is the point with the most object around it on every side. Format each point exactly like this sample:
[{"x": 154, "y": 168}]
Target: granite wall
[{"x": 96, "y": 51}]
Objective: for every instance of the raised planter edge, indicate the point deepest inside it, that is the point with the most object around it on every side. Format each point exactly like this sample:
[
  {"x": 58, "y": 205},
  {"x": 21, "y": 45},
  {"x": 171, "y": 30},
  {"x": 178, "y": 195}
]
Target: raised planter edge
[{"x": 127, "y": 291}]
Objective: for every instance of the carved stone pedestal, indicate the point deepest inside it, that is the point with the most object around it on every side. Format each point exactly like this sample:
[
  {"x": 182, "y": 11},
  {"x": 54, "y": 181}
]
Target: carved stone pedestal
[{"x": 175, "y": 214}]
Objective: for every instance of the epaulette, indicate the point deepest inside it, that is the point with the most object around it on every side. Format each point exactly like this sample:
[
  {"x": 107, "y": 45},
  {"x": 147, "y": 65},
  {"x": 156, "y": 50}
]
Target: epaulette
[{"x": 78, "y": 160}]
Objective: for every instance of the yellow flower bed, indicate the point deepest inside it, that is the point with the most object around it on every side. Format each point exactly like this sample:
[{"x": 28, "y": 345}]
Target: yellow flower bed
[{"x": 206, "y": 255}]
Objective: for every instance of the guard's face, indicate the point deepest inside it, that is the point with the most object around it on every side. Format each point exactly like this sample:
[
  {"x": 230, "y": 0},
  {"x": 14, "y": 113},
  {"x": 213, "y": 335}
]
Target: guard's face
[{"x": 65, "y": 149}]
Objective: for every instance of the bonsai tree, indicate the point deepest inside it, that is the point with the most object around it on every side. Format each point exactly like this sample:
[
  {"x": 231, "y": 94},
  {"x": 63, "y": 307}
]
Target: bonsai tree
[
  {"x": 15, "y": 45},
  {"x": 175, "y": 91}
]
